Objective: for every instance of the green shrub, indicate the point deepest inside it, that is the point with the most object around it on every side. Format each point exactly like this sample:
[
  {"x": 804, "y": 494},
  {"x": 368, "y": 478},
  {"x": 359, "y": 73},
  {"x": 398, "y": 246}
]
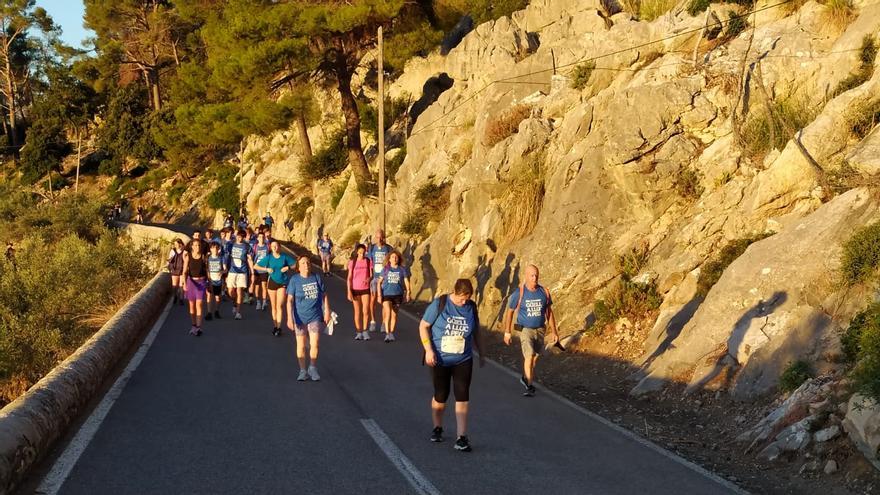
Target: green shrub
[
  {"x": 175, "y": 193},
  {"x": 766, "y": 130},
  {"x": 850, "y": 340},
  {"x": 338, "y": 192},
  {"x": 861, "y": 255},
  {"x": 226, "y": 195},
  {"x": 627, "y": 299},
  {"x": 42, "y": 321},
  {"x": 794, "y": 375},
  {"x": 687, "y": 183},
  {"x": 580, "y": 76},
  {"x": 297, "y": 211},
  {"x": 505, "y": 125},
  {"x": 631, "y": 263},
  {"x": 697, "y": 6},
  {"x": 329, "y": 161},
  {"x": 712, "y": 270},
  {"x": 395, "y": 108},
  {"x": 415, "y": 223},
  {"x": 736, "y": 24}
]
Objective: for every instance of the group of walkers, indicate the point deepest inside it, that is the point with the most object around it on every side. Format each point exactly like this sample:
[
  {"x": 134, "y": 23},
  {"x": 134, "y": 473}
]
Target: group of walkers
[{"x": 246, "y": 265}]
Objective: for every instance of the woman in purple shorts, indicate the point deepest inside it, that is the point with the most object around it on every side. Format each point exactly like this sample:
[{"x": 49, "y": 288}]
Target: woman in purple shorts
[{"x": 195, "y": 270}]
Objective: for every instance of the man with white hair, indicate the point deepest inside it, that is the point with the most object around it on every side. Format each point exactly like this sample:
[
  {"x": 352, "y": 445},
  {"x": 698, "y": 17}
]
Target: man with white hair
[{"x": 530, "y": 309}]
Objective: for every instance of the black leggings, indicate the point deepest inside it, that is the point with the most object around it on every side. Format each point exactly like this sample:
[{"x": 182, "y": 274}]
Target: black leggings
[{"x": 459, "y": 375}]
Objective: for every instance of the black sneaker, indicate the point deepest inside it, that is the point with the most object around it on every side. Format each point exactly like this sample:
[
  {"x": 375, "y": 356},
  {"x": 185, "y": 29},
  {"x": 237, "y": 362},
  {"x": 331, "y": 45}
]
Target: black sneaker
[
  {"x": 530, "y": 391},
  {"x": 276, "y": 332},
  {"x": 198, "y": 331},
  {"x": 462, "y": 444},
  {"x": 217, "y": 315},
  {"x": 208, "y": 317},
  {"x": 524, "y": 383},
  {"x": 437, "y": 434}
]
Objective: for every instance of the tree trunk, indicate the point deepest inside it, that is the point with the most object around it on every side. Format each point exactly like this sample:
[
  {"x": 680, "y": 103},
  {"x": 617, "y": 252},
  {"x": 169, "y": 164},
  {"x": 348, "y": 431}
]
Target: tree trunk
[
  {"x": 352, "y": 127},
  {"x": 78, "y": 157},
  {"x": 305, "y": 144},
  {"x": 155, "y": 95},
  {"x": 10, "y": 103}
]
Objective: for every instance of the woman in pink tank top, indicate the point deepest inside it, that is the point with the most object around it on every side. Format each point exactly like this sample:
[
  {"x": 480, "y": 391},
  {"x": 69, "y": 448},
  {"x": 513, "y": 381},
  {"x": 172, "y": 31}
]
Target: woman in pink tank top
[{"x": 360, "y": 272}]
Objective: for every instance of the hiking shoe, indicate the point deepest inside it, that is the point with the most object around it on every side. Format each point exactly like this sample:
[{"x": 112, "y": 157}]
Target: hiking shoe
[
  {"x": 372, "y": 326},
  {"x": 313, "y": 374},
  {"x": 302, "y": 376},
  {"x": 357, "y": 336},
  {"x": 217, "y": 315},
  {"x": 237, "y": 316},
  {"x": 365, "y": 336},
  {"x": 462, "y": 444},
  {"x": 208, "y": 317},
  {"x": 437, "y": 434},
  {"x": 530, "y": 391},
  {"x": 523, "y": 382}
]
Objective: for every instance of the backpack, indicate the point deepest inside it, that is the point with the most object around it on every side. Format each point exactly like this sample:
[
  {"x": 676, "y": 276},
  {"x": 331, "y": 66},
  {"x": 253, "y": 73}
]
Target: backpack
[
  {"x": 175, "y": 263},
  {"x": 510, "y": 320}
]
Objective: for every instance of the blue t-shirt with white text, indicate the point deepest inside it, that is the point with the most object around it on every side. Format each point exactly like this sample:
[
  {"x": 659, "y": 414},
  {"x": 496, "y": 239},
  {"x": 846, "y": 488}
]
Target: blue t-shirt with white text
[
  {"x": 452, "y": 332},
  {"x": 308, "y": 298},
  {"x": 378, "y": 254},
  {"x": 325, "y": 246},
  {"x": 533, "y": 309},
  {"x": 216, "y": 267},
  {"x": 259, "y": 251},
  {"x": 238, "y": 256},
  {"x": 393, "y": 281}
]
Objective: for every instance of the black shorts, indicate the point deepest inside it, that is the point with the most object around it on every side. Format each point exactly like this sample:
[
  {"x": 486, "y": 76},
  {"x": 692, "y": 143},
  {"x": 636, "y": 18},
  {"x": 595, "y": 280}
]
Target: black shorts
[
  {"x": 459, "y": 375},
  {"x": 358, "y": 293},
  {"x": 395, "y": 301},
  {"x": 216, "y": 290},
  {"x": 275, "y": 286},
  {"x": 260, "y": 277}
]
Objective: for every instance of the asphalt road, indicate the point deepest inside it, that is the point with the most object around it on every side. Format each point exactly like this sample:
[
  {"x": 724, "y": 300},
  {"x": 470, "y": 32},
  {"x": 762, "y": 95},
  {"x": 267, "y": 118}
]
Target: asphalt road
[{"x": 223, "y": 413}]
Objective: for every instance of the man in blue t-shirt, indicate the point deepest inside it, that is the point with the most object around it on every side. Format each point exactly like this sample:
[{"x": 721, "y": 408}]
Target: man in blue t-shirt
[
  {"x": 241, "y": 265},
  {"x": 268, "y": 221},
  {"x": 377, "y": 254},
  {"x": 325, "y": 249},
  {"x": 530, "y": 309}
]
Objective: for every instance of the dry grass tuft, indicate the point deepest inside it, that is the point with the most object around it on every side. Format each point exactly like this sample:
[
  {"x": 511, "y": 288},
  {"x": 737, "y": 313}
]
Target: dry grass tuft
[{"x": 505, "y": 125}]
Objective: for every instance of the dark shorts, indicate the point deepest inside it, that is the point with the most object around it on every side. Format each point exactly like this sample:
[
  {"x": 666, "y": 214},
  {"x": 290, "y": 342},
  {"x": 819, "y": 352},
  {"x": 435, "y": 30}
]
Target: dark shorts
[
  {"x": 261, "y": 278},
  {"x": 395, "y": 301},
  {"x": 275, "y": 286},
  {"x": 177, "y": 272},
  {"x": 216, "y": 290},
  {"x": 358, "y": 293},
  {"x": 460, "y": 378}
]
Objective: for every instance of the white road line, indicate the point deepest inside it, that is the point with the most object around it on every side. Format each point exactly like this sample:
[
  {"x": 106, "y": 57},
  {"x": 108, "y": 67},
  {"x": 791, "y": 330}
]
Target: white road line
[
  {"x": 409, "y": 471},
  {"x": 67, "y": 460}
]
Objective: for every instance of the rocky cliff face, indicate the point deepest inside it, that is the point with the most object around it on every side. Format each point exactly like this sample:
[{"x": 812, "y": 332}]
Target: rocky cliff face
[{"x": 644, "y": 153}]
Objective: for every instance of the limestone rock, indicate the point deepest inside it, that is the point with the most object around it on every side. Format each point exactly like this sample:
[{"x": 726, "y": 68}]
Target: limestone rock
[
  {"x": 862, "y": 424},
  {"x": 866, "y": 156},
  {"x": 830, "y": 467},
  {"x": 826, "y": 434},
  {"x": 792, "y": 409}
]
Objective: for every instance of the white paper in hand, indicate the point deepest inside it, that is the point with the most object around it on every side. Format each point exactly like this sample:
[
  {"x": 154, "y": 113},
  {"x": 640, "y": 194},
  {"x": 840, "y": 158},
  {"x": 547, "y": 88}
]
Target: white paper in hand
[{"x": 334, "y": 319}]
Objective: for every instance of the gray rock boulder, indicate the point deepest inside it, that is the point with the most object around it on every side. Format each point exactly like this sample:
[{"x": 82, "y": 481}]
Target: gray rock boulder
[{"x": 862, "y": 424}]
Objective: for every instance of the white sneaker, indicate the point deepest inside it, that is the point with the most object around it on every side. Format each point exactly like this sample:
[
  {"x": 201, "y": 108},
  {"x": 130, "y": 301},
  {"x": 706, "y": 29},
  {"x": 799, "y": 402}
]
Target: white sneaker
[
  {"x": 313, "y": 374},
  {"x": 383, "y": 329},
  {"x": 372, "y": 326},
  {"x": 387, "y": 338},
  {"x": 302, "y": 376},
  {"x": 265, "y": 304},
  {"x": 357, "y": 336},
  {"x": 259, "y": 305},
  {"x": 237, "y": 316},
  {"x": 365, "y": 336},
  {"x": 391, "y": 337}
]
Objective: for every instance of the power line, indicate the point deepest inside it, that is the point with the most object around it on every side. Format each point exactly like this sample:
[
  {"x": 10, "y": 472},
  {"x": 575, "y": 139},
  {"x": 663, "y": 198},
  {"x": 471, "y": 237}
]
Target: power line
[{"x": 593, "y": 58}]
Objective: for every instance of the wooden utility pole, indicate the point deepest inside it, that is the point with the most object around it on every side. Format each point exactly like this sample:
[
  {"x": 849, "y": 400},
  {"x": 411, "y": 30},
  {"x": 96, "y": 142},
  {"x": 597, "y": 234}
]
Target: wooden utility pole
[{"x": 381, "y": 134}]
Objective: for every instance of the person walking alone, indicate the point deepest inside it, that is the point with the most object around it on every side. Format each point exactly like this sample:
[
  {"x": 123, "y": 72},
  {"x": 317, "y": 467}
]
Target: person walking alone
[
  {"x": 308, "y": 311},
  {"x": 325, "y": 249},
  {"x": 530, "y": 309},
  {"x": 450, "y": 332}
]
